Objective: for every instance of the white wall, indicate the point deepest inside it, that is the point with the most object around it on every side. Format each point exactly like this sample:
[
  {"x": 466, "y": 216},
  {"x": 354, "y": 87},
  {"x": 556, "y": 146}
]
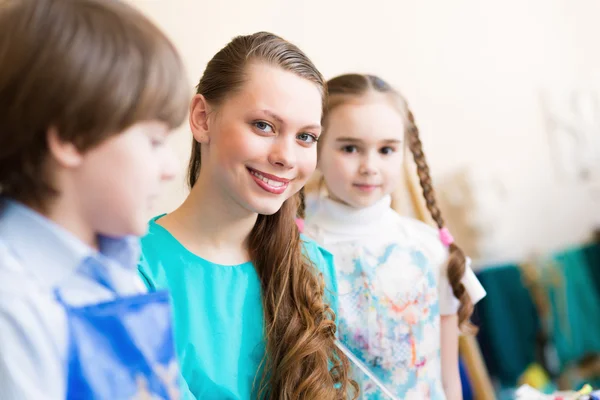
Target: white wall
[{"x": 471, "y": 69}]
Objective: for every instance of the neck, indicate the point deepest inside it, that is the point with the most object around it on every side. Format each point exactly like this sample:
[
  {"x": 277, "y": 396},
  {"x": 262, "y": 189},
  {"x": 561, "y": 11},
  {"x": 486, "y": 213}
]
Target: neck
[
  {"x": 216, "y": 226},
  {"x": 63, "y": 210},
  {"x": 338, "y": 217}
]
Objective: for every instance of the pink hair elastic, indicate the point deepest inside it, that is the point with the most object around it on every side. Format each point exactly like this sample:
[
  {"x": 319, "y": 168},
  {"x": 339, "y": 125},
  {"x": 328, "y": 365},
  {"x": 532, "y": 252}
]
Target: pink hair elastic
[
  {"x": 446, "y": 237},
  {"x": 300, "y": 224}
]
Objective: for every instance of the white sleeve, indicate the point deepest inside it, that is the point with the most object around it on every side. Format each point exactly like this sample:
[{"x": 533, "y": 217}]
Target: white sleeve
[
  {"x": 448, "y": 303},
  {"x": 472, "y": 284},
  {"x": 31, "y": 362}
]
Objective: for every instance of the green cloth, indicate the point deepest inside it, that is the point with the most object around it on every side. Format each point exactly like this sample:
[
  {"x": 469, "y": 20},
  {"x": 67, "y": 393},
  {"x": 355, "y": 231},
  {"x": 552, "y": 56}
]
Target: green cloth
[
  {"x": 575, "y": 305},
  {"x": 508, "y": 319},
  {"x": 592, "y": 255},
  {"x": 218, "y": 313},
  {"x": 508, "y": 323}
]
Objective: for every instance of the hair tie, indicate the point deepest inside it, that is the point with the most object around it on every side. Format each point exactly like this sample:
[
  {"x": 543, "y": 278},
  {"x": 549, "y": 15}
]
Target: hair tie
[
  {"x": 446, "y": 237},
  {"x": 300, "y": 224}
]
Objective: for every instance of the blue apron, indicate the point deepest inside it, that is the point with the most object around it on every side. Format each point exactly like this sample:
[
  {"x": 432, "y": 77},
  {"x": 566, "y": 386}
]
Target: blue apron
[{"x": 122, "y": 349}]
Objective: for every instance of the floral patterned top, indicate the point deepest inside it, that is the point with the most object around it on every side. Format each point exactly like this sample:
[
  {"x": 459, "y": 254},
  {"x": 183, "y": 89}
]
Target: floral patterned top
[{"x": 392, "y": 290}]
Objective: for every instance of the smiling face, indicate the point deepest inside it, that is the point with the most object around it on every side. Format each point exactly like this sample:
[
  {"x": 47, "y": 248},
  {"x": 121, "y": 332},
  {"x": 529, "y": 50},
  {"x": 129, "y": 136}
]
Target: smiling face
[
  {"x": 259, "y": 145},
  {"x": 361, "y": 154}
]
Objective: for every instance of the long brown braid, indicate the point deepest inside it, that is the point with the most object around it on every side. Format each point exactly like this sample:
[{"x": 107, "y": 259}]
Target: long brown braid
[
  {"x": 456, "y": 260},
  {"x": 348, "y": 87}
]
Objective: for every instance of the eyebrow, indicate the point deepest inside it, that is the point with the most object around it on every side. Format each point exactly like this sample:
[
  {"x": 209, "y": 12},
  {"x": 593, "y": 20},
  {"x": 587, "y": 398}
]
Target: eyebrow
[
  {"x": 356, "y": 140},
  {"x": 281, "y": 122}
]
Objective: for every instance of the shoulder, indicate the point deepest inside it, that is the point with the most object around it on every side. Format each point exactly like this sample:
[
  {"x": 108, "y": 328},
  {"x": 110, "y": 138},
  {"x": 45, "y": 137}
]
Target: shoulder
[
  {"x": 158, "y": 247},
  {"x": 324, "y": 263},
  {"x": 33, "y": 329},
  {"x": 312, "y": 247},
  {"x": 15, "y": 280},
  {"x": 155, "y": 239},
  {"x": 321, "y": 257},
  {"x": 23, "y": 297},
  {"x": 33, "y": 346},
  {"x": 424, "y": 237},
  {"x": 32, "y": 349}
]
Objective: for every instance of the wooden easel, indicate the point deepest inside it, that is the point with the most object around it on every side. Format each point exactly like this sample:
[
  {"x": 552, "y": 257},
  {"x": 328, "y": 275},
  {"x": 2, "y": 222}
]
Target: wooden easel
[{"x": 408, "y": 200}]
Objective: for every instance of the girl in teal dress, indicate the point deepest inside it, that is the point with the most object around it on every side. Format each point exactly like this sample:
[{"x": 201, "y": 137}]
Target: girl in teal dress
[{"x": 253, "y": 300}]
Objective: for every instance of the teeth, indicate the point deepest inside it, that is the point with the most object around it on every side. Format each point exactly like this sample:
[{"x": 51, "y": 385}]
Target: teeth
[
  {"x": 275, "y": 183},
  {"x": 269, "y": 182}
]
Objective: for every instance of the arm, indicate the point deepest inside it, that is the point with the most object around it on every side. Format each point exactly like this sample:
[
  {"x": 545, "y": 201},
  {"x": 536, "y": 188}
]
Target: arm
[
  {"x": 31, "y": 365},
  {"x": 449, "y": 348}
]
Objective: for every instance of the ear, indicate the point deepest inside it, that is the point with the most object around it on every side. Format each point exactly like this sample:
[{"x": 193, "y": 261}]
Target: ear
[
  {"x": 199, "y": 112},
  {"x": 65, "y": 153}
]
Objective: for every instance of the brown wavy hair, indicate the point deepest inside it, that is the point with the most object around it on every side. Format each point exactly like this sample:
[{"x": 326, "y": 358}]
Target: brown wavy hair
[
  {"x": 353, "y": 87},
  {"x": 301, "y": 360}
]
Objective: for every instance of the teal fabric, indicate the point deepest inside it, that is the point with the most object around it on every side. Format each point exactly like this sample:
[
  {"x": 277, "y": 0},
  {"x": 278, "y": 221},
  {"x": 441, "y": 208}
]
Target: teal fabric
[
  {"x": 508, "y": 323},
  {"x": 575, "y": 305},
  {"x": 592, "y": 255},
  {"x": 218, "y": 314},
  {"x": 508, "y": 318}
]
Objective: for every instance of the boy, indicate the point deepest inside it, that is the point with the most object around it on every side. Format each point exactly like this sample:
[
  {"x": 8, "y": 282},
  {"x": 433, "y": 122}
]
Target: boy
[{"x": 89, "y": 90}]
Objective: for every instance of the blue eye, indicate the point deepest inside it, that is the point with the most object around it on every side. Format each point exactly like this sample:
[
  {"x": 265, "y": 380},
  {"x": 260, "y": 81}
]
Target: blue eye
[
  {"x": 350, "y": 149},
  {"x": 308, "y": 138},
  {"x": 263, "y": 126},
  {"x": 387, "y": 150}
]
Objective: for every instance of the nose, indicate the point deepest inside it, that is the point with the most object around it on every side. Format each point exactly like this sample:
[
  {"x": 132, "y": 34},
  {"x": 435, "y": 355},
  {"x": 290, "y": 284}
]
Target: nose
[
  {"x": 368, "y": 164},
  {"x": 283, "y": 152}
]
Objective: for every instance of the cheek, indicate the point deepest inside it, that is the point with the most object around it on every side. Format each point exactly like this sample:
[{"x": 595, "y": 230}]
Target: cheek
[
  {"x": 143, "y": 162},
  {"x": 118, "y": 179},
  {"x": 239, "y": 145},
  {"x": 340, "y": 167},
  {"x": 307, "y": 162},
  {"x": 394, "y": 171},
  {"x": 139, "y": 174},
  {"x": 394, "y": 164}
]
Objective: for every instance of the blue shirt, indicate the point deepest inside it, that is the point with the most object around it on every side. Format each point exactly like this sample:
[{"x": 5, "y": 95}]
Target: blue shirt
[
  {"x": 219, "y": 324},
  {"x": 38, "y": 256}
]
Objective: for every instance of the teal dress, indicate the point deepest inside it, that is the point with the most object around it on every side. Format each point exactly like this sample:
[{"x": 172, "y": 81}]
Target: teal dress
[{"x": 218, "y": 314}]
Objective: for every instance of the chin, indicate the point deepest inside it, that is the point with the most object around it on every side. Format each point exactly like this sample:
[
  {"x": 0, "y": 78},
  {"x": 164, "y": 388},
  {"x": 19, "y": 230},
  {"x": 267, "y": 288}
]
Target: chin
[
  {"x": 266, "y": 207},
  {"x": 140, "y": 230},
  {"x": 133, "y": 227},
  {"x": 265, "y": 210}
]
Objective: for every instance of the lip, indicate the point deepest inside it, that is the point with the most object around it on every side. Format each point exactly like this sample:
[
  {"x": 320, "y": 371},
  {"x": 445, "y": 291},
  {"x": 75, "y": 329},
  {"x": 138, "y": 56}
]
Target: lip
[
  {"x": 269, "y": 176},
  {"x": 366, "y": 188},
  {"x": 265, "y": 185}
]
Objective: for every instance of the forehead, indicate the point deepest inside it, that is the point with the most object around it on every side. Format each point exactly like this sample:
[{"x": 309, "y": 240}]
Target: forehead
[
  {"x": 370, "y": 121},
  {"x": 295, "y": 99}
]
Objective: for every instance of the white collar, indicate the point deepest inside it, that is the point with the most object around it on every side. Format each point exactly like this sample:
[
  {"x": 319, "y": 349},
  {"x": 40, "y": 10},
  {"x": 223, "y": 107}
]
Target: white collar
[
  {"x": 52, "y": 253},
  {"x": 333, "y": 216}
]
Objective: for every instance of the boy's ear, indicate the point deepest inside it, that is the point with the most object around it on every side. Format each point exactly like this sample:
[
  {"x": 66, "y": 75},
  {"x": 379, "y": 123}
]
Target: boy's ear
[
  {"x": 199, "y": 121},
  {"x": 63, "y": 152}
]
